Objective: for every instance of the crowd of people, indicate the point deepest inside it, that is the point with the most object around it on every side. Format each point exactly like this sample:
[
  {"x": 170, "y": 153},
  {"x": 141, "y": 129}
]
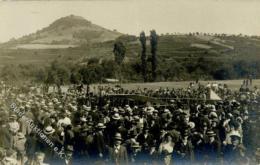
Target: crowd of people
[{"x": 86, "y": 127}]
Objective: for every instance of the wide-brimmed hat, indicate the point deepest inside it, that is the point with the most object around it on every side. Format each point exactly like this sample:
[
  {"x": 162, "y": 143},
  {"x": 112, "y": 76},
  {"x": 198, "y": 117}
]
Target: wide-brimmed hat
[
  {"x": 116, "y": 116},
  {"x": 135, "y": 145},
  {"x": 235, "y": 136},
  {"x": 121, "y": 110},
  {"x": 211, "y": 133},
  {"x": 83, "y": 119},
  {"x": 118, "y": 136},
  {"x": 136, "y": 118},
  {"x": 48, "y": 130},
  {"x": 213, "y": 115},
  {"x": 85, "y": 129},
  {"x": 115, "y": 110},
  {"x": 101, "y": 126},
  {"x": 86, "y": 108},
  {"x": 20, "y": 135},
  {"x": 13, "y": 116},
  {"x": 167, "y": 111},
  {"x": 155, "y": 111}
]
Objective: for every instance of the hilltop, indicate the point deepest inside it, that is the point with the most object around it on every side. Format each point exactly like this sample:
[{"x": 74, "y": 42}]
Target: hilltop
[{"x": 70, "y": 30}]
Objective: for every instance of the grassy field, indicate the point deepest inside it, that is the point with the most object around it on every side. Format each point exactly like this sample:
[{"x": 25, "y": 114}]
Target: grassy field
[{"x": 233, "y": 84}]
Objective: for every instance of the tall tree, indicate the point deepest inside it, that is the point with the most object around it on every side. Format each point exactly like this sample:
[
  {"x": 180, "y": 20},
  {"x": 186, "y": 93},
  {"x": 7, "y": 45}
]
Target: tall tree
[
  {"x": 143, "y": 55},
  {"x": 154, "y": 43},
  {"x": 119, "y": 52}
]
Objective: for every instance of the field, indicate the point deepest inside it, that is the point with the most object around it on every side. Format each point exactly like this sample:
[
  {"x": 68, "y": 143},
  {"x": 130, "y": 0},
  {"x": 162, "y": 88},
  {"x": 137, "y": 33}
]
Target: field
[
  {"x": 170, "y": 48},
  {"x": 232, "y": 84}
]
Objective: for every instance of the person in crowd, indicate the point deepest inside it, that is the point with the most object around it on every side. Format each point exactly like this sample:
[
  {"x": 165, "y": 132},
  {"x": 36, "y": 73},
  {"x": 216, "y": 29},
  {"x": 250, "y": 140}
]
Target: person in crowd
[
  {"x": 212, "y": 148},
  {"x": 166, "y": 149},
  {"x": 187, "y": 128},
  {"x": 234, "y": 153},
  {"x": 19, "y": 146},
  {"x": 184, "y": 150},
  {"x": 39, "y": 159},
  {"x": 99, "y": 143},
  {"x": 118, "y": 153}
]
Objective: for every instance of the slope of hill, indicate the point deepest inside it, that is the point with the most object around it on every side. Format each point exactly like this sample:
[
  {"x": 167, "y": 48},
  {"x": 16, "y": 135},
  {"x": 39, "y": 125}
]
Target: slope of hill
[
  {"x": 180, "y": 57},
  {"x": 77, "y": 44},
  {"x": 71, "y": 30},
  {"x": 170, "y": 47}
]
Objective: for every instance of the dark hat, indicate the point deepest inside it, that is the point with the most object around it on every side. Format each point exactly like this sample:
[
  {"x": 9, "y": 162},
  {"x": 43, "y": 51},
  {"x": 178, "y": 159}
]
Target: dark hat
[
  {"x": 185, "y": 133},
  {"x": 198, "y": 136},
  {"x": 235, "y": 137}
]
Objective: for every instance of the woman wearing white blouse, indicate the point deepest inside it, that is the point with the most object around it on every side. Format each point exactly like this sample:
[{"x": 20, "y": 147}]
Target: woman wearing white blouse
[{"x": 166, "y": 149}]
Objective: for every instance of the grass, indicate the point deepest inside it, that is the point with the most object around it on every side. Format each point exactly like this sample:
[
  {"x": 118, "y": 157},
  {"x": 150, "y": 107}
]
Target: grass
[
  {"x": 169, "y": 47},
  {"x": 232, "y": 84}
]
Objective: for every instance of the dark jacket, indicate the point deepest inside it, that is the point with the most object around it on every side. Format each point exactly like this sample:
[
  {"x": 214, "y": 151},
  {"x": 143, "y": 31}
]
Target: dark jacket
[{"x": 118, "y": 158}]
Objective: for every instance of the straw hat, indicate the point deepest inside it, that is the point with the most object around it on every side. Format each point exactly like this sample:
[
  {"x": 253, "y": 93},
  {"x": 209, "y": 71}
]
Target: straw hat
[
  {"x": 101, "y": 126},
  {"x": 211, "y": 133},
  {"x": 136, "y": 145},
  {"x": 116, "y": 116},
  {"x": 13, "y": 116},
  {"x": 20, "y": 135},
  {"x": 118, "y": 137},
  {"x": 48, "y": 130}
]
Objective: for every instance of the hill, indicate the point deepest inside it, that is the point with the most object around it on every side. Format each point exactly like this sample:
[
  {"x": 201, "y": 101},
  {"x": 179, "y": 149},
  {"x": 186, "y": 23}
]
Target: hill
[
  {"x": 81, "y": 47},
  {"x": 65, "y": 32}
]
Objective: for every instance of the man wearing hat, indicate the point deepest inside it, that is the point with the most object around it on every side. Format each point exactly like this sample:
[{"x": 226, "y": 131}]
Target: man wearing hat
[
  {"x": 117, "y": 153},
  {"x": 5, "y": 135},
  {"x": 198, "y": 143},
  {"x": 68, "y": 155},
  {"x": 211, "y": 148},
  {"x": 99, "y": 142},
  {"x": 49, "y": 131},
  {"x": 112, "y": 127},
  {"x": 135, "y": 156},
  {"x": 234, "y": 152},
  {"x": 145, "y": 139},
  {"x": 183, "y": 150},
  {"x": 13, "y": 124}
]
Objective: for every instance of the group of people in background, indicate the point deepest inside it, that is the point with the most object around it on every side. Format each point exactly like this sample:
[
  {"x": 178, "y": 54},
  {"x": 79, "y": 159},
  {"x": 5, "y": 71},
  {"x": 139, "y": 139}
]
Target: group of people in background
[{"x": 89, "y": 128}]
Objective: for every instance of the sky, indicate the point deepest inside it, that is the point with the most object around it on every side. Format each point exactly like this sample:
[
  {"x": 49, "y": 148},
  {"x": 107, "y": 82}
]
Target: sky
[{"x": 18, "y": 18}]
